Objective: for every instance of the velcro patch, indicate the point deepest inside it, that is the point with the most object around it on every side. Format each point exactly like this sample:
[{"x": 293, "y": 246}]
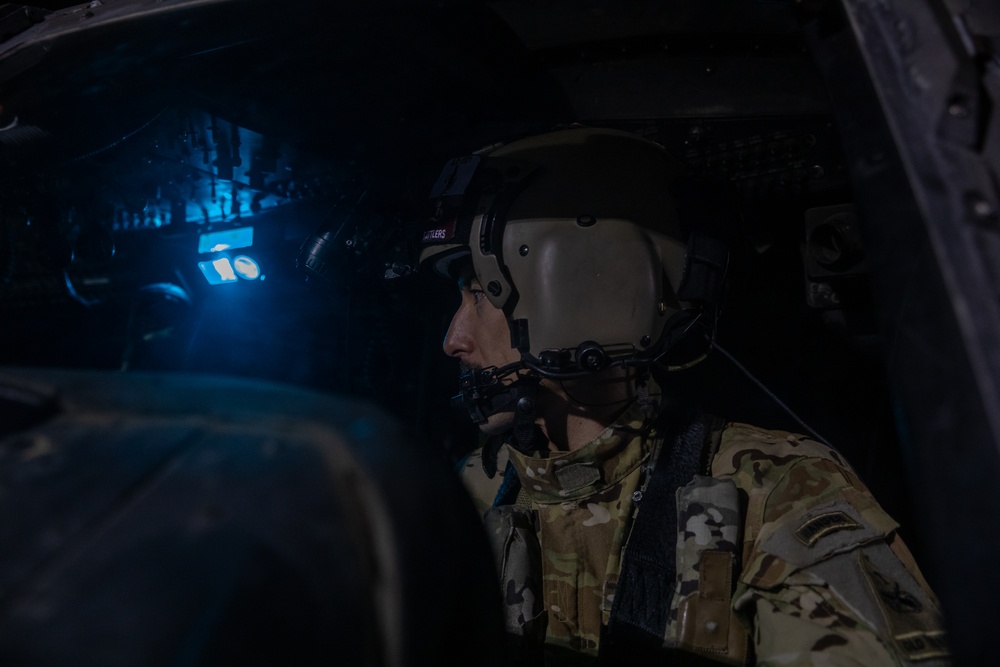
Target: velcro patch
[
  {"x": 576, "y": 476},
  {"x": 824, "y": 524}
]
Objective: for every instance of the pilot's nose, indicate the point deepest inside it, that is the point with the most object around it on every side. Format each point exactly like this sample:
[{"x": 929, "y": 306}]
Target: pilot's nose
[{"x": 458, "y": 342}]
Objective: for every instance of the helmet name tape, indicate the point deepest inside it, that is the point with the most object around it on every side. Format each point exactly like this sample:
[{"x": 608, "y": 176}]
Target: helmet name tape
[{"x": 442, "y": 230}]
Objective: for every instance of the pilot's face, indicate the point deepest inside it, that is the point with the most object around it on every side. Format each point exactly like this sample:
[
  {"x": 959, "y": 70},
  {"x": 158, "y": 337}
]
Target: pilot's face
[{"x": 479, "y": 338}]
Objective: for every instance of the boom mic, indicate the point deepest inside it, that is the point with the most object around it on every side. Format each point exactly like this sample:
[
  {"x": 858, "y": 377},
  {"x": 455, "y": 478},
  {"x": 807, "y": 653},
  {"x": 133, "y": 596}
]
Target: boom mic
[{"x": 482, "y": 393}]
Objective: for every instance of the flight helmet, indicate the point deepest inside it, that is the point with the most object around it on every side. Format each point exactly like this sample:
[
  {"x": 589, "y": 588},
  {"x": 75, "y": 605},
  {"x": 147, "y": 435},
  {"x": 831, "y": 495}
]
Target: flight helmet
[{"x": 575, "y": 234}]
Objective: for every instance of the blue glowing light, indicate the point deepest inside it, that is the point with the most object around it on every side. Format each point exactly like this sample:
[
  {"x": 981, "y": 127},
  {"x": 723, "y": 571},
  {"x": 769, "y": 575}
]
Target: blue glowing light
[
  {"x": 241, "y": 237},
  {"x": 218, "y": 271},
  {"x": 246, "y": 267}
]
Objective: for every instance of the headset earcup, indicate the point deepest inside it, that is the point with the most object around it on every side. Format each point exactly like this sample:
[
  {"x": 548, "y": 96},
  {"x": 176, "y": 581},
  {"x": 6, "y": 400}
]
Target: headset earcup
[
  {"x": 704, "y": 270},
  {"x": 688, "y": 334}
]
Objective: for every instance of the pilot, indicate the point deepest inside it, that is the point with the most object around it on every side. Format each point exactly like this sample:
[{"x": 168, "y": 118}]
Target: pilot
[{"x": 625, "y": 524}]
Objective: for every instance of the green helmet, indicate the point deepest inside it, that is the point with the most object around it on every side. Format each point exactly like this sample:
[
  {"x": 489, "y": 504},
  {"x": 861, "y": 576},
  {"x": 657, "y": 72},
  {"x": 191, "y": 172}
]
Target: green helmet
[{"x": 575, "y": 235}]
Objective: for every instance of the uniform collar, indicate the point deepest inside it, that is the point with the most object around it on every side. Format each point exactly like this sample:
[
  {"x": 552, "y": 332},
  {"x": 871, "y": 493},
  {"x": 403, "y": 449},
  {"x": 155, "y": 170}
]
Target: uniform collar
[{"x": 601, "y": 463}]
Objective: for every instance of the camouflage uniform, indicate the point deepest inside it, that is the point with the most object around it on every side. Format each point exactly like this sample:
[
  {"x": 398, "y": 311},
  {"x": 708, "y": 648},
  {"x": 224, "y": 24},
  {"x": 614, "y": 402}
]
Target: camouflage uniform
[{"x": 782, "y": 553}]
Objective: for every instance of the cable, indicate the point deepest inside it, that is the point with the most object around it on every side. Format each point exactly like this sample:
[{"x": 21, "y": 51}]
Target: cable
[
  {"x": 774, "y": 397},
  {"x": 108, "y": 147}
]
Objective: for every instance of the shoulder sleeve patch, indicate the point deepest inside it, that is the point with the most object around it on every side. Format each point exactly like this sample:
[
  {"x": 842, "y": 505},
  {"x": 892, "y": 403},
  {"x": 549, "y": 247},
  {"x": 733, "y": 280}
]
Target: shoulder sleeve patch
[
  {"x": 800, "y": 538},
  {"x": 913, "y": 622}
]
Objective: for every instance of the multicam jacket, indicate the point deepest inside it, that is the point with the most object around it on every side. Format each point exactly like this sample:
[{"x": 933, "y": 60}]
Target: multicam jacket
[{"x": 782, "y": 555}]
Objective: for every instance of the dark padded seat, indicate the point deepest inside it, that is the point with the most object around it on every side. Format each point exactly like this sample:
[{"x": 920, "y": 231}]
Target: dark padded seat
[{"x": 162, "y": 519}]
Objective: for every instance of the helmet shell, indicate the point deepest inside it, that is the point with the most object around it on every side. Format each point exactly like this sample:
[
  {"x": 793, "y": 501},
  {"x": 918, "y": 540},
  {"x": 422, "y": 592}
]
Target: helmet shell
[{"x": 574, "y": 234}]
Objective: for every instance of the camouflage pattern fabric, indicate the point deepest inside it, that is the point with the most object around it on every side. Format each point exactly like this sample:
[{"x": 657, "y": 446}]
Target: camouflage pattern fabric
[
  {"x": 708, "y": 519},
  {"x": 709, "y": 527},
  {"x": 821, "y": 578},
  {"x": 512, "y": 534},
  {"x": 583, "y": 503},
  {"x": 825, "y": 578}
]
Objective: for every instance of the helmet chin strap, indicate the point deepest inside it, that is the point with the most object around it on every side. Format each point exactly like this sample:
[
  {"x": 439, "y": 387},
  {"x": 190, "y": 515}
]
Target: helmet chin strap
[{"x": 526, "y": 436}]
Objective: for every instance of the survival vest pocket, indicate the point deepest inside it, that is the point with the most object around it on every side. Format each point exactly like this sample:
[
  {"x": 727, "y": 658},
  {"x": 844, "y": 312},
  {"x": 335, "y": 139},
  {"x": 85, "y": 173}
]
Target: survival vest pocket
[
  {"x": 518, "y": 556},
  {"x": 708, "y": 546}
]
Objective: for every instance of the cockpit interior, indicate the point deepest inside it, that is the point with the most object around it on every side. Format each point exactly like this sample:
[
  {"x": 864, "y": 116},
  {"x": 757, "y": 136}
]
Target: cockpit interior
[{"x": 235, "y": 190}]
